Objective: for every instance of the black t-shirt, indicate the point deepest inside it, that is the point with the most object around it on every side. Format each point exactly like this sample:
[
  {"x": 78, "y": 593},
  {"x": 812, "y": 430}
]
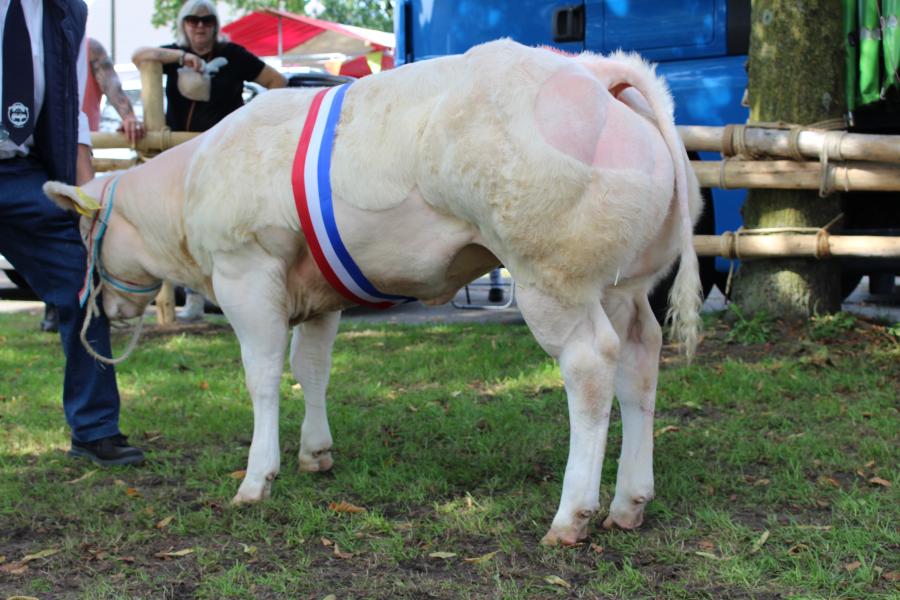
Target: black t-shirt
[{"x": 225, "y": 95}]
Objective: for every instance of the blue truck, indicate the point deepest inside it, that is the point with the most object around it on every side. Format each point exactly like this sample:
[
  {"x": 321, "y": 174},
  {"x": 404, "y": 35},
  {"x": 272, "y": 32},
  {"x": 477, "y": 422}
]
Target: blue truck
[{"x": 701, "y": 48}]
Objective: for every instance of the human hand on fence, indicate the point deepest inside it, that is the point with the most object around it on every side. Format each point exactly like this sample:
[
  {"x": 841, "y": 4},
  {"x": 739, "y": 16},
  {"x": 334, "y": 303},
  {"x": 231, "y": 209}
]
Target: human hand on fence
[
  {"x": 133, "y": 129},
  {"x": 193, "y": 61}
]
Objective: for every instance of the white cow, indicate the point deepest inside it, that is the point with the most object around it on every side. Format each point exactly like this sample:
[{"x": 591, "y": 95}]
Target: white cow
[{"x": 566, "y": 169}]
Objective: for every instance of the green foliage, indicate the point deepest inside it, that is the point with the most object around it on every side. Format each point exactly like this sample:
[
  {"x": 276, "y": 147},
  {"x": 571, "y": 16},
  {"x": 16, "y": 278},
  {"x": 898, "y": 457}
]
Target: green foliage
[
  {"x": 758, "y": 329},
  {"x": 831, "y": 326},
  {"x": 776, "y": 477},
  {"x": 374, "y": 14},
  {"x": 894, "y": 331}
]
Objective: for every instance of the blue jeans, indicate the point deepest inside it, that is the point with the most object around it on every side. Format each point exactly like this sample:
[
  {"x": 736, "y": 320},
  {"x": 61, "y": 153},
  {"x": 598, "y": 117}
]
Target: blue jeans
[{"x": 43, "y": 243}]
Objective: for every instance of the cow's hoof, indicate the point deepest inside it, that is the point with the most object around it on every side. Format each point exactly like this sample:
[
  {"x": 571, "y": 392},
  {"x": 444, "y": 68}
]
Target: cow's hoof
[
  {"x": 627, "y": 514},
  {"x": 251, "y": 494},
  {"x": 316, "y": 462},
  {"x": 624, "y": 519},
  {"x": 568, "y": 535}
]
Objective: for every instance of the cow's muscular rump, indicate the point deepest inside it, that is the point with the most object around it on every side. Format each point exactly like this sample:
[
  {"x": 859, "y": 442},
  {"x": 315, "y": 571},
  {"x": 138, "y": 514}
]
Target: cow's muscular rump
[{"x": 578, "y": 116}]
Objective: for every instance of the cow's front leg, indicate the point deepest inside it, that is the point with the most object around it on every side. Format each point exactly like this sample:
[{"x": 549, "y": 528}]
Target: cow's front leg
[
  {"x": 641, "y": 339},
  {"x": 311, "y": 364},
  {"x": 586, "y": 346},
  {"x": 249, "y": 286}
]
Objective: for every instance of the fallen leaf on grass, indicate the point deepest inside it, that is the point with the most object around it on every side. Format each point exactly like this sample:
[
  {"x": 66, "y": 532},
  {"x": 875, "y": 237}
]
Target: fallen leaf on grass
[
  {"x": 175, "y": 554},
  {"x": 826, "y": 480},
  {"x": 133, "y": 492},
  {"x": 442, "y": 555},
  {"x": 760, "y": 482},
  {"x": 251, "y": 550},
  {"x": 483, "y": 558},
  {"x": 554, "y": 580},
  {"x": 83, "y": 477},
  {"x": 326, "y": 542},
  {"x": 204, "y": 385},
  {"x": 125, "y": 559},
  {"x": 41, "y": 554},
  {"x": 880, "y": 481},
  {"x": 162, "y": 524},
  {"x": 707, "y": 555},
  {"x": 852, "y": 566},
  {"x": 759, "y": 542},
  {"x": 666, "y": 429},
  {"x": 797, "y": 549},
  {"x": 14, "y": 568},
  {"x": 237, "y": 474},
  {"x": 330, "y": 597},
  {"x": 597, "y": 548},
  {"x": 343, "y": 555},
  {"x": 345, "y": 507},
  {"x": 891, "y": 575},
  {"x": 706, "y": 545}
]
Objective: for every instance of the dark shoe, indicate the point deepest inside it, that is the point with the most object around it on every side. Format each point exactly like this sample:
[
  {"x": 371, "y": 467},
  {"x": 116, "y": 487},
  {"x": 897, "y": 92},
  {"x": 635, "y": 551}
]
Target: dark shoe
[
  {"x": 495, "y": 295},
  {"x": 51, "y": 319},
  {"x": 108, "y": 451}
]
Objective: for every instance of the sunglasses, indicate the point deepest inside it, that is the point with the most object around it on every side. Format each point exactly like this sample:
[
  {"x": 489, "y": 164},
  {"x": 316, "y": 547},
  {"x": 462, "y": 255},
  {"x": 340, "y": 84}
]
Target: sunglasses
[{"x": 194, "y": 20}]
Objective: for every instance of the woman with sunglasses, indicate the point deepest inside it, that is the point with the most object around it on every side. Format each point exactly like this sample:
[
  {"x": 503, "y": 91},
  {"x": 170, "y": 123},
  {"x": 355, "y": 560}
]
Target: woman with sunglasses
[{"x": 199, "y": 42}]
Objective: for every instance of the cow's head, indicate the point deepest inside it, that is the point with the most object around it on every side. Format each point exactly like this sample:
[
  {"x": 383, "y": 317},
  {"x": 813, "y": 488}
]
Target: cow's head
[{"x": 128, "y": 286}]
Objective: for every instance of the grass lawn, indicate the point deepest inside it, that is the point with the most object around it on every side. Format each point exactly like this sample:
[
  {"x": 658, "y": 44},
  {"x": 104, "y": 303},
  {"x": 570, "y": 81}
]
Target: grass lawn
[{"x": 776, "y": 472}]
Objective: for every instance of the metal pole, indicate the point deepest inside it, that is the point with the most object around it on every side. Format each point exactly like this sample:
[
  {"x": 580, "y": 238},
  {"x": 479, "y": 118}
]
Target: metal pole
[
  {"x": 280, "y": 41},
  {"x": 112, "y": 30}
]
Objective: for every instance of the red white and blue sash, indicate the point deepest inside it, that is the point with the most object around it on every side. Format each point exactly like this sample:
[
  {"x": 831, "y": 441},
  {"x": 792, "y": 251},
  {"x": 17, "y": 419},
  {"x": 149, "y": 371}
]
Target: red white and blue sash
[{"x": 311, "y": 178}]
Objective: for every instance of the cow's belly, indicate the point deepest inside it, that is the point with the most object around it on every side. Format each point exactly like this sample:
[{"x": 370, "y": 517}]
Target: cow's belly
[{"x": 412, "y": 249}]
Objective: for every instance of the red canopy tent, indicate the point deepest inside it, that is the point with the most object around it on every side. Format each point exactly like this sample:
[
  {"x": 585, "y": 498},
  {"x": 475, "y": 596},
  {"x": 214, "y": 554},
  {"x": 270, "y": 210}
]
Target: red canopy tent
[{"x": 270, "y": 32}]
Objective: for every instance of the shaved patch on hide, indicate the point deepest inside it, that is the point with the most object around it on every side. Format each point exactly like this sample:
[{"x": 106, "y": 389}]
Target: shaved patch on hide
[{"x": 570, "y": 109}]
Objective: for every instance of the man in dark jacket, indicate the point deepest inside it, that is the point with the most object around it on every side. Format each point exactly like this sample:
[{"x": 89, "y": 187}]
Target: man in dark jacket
[{"x": 44, "y": 135}]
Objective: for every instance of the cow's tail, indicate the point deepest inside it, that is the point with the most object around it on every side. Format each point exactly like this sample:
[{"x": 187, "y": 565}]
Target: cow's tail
[{"x": 685, "y": 298}]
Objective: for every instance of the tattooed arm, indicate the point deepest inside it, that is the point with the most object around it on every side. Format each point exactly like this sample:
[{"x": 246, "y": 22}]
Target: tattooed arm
[{"x": 105, "y": 74}]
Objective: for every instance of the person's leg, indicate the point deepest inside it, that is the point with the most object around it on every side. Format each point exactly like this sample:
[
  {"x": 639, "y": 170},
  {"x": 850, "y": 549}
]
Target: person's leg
[
  {"x": 495, "y": 294},
  {"x": 43, "y": 243},
  {"x": 50, "y": 322},
  {"x": 193, "y": 306}
]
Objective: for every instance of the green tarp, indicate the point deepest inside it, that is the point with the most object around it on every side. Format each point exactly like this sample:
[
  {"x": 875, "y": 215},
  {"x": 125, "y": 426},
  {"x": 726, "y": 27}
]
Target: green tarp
[{"x": 873, "y": 60}]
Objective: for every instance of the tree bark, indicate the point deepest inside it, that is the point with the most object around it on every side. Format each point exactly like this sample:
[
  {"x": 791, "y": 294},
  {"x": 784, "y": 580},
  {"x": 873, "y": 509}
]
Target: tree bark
[{"x": 796, "y": 75}]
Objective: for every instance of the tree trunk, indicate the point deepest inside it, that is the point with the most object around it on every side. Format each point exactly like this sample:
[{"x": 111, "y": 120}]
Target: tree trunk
[{"x": 796, "y": 73}]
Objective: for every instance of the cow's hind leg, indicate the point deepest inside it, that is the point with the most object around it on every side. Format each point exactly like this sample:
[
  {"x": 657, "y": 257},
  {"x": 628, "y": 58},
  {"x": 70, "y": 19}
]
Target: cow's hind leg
[
  {"x": 584, "y": 342},
  {"x": 311, "y": 364},
  {"x": 249, "y": 286},
  {"x": 641, "y": 339}
]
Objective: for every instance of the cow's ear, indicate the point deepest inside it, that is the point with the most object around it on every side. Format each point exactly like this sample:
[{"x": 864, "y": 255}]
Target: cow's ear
[{"x": 70, "y": 197}]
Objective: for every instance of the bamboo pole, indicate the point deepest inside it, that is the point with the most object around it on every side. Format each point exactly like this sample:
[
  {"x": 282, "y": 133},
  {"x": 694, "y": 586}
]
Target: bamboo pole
[
  {"x": 791, "y": 175},
  {"x": 153, "y": 141},
  {"x": 777, "y": 143},
  {"x": 811, "y": 245},
  {"x": 112, "y": 164},
  {"x": 155, "y": 122}
]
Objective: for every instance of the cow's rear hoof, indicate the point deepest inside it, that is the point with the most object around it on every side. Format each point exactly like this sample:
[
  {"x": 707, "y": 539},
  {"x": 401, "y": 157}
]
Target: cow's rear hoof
[
  {"x": 629, "y": 513},
  {"x": 626, "y": 523},
  {"x": 316, "y": 462},
  {"x": 566, "y": 536},
  {"x": 251, "y": 494}
]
